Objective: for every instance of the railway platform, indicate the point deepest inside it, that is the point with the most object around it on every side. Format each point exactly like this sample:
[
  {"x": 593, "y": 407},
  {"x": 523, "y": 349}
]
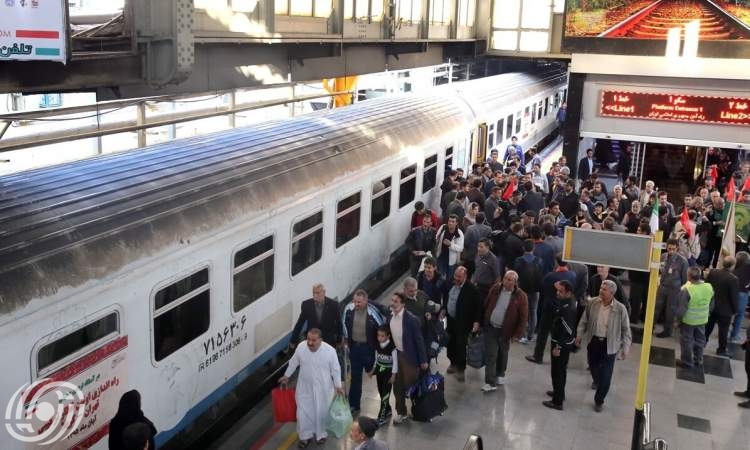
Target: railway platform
[{"x": 691, "y": 410}]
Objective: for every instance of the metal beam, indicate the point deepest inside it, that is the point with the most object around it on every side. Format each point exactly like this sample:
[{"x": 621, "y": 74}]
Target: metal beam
[
  {"x": 164, "y": 31},
  {"x": 397, "y": 48},
  {"x": 322, "y": 50},
  {"x": 470, "y": 49},
  {"x": 223, "y": 65},
  {"x": 78, "y": 75}
]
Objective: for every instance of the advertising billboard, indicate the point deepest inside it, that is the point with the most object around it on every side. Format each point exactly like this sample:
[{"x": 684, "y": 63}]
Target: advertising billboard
[
  {"x": 33, "y": 30},
  {"x": 642, "y": 27}
]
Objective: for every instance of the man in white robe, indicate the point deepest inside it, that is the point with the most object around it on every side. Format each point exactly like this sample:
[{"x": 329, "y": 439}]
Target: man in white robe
[{"x": 319, "y": 377}]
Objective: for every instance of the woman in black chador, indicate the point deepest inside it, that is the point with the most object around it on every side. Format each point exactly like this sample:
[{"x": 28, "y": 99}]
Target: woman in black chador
[{"x": 128, "y": 413}]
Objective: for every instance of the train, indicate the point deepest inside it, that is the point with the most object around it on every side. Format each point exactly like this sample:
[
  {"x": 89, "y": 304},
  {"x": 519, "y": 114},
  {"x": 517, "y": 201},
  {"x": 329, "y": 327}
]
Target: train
[{"x": 179, "y": 269}]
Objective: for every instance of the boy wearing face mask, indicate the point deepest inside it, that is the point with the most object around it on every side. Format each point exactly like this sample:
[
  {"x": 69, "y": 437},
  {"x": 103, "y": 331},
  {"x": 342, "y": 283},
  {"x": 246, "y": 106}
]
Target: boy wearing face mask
[{"x": 385, "y": 369}]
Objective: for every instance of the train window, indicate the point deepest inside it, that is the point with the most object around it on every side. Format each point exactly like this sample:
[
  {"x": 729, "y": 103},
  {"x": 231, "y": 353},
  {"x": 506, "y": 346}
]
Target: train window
[
  {"x": 490, "y": 140},
  {"x": 79, "y": 339},
  {"x": 429, "y": 177},
  {"x": 508, "y": 126},
  {"x": 181, "y": 313},
  {"x": 408, "y": 185},
  {"x": 533, "y": 112},
  {"x": 381, "y": 201},
  {"x": 348, "y": 218},
  {"x": 448, "y": 158},
  {"x": 253, "y": 273},
  {"x": 500, "y": 126},
  {"x": 565, "y": 96},
  {"x": 557, "y": 100},
  {"x": 539, "y": 111},
  {"x": 518, "y": 122},
  {"x": 307, "y": 242},
  {"x": 546, "y": 106}
]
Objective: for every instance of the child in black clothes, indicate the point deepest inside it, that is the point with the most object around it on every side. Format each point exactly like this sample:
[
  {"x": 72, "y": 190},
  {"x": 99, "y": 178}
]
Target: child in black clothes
[{"x": 385, "y": 369}]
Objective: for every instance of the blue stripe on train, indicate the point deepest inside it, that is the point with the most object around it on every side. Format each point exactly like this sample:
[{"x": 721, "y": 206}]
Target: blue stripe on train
[{"x": 221, "y": 391}]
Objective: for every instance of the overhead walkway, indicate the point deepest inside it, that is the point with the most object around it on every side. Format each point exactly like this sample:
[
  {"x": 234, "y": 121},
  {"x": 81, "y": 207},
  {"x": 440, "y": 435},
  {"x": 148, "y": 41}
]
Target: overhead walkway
[{"x": 181, "y": 46}]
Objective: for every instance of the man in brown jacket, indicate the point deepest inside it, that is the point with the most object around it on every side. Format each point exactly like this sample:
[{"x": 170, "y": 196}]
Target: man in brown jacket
[{"x": 506, "y": 314}]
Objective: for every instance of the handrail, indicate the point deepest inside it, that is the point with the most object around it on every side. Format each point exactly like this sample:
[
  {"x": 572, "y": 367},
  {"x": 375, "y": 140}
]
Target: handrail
[
  {"x": 124, "y": 126},
  {"x": 123, "y": 103},
  {"x": 474, "y": 443},
  {"x": 647, "y": 443}
]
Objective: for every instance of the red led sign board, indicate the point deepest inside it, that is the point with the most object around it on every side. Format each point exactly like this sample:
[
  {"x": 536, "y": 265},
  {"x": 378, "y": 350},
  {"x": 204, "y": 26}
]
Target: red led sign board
[{"x": 676, "y": 107}]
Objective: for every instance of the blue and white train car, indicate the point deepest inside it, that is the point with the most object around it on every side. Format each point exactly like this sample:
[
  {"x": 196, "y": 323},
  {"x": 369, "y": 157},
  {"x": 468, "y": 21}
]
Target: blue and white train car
[{"x": 179, "y": 269}]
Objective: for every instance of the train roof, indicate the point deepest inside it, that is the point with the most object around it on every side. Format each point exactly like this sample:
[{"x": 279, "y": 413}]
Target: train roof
[
  {"x": 65, "y": 225},
  {"x": 488, "y": 96}
]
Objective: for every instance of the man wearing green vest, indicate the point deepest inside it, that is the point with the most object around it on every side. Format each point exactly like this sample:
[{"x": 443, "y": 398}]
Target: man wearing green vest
[{"x": 695, "y": 302}]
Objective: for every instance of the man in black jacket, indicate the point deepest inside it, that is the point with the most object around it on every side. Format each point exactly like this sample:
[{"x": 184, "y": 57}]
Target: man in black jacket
[
  {"x": 361, "y": 322},
  {"x": 322, "y": 313},
  {"x": 586, "y": 166},
  {"x": 464, "y": 310},
  {"x": 420, "y": 241},
  {"x": 533, "y": 199},
  {"x": 569, "y": 203},
  {"x": 726, "y": 290},
  {"x": 623, "y": 163},
  {"x": 529, "y": 270},
  {"x": 509, "y": 245},
  {"x": 563, "y": 336}
]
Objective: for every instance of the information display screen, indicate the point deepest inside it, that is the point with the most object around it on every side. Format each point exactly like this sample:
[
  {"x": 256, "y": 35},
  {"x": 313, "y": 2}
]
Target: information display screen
[
  {"x": 641, "y": 27},
  {"x": 675, "y": 107}
]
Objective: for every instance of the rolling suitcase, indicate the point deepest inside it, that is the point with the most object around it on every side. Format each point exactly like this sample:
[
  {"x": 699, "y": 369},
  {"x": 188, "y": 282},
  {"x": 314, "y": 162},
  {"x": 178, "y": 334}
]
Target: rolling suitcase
[{"x": 429, "y": 401}]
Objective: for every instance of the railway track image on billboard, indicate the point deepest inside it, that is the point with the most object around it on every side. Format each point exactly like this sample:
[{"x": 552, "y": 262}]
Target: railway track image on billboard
[
  {"x": 649, "y": 19},
  {"x": 641, "y": 27}
]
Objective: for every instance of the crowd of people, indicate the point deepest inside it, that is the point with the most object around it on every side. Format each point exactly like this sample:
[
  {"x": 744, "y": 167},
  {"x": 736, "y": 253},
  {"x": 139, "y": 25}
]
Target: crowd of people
[{"x": 489, "y": 263}]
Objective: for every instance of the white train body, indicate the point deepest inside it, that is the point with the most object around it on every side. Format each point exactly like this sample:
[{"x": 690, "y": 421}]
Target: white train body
[{"x": 91, "y": 252}]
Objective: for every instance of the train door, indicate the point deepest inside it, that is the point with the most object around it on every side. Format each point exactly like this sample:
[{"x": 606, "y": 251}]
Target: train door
[
  {"x": 482, "y": 142},
  {"x": 526, "y": 123},
  {"x": 462, "y": 158},
  {"x": 471, "y": 146}
]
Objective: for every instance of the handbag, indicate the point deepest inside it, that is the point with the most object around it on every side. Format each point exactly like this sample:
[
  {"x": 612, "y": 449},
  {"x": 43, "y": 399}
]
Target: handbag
[
  {"x": 475, "y": 351},
  {"x": 339, "y": 417},
  {"x": 284, "y": 405}
]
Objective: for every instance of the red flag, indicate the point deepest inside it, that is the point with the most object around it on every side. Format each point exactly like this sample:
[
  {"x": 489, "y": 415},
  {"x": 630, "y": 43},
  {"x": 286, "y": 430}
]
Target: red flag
[
  {"x": 714, "y": 174},
  {"x": 746, "y": 185},
  {"x": 509, "y": 190},
  {"x": 730, "y": 194},
  {"x": 685, "y": 221}
]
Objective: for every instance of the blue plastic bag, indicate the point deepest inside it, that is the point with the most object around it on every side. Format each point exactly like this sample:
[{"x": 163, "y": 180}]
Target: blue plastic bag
[{"x": 339, "y": 417}]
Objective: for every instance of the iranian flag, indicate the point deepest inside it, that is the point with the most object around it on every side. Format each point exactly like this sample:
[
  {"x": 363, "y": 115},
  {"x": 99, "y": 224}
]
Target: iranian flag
[
  {"x": 654, "y": 221},
  {"x": 727, "y": 241}
]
